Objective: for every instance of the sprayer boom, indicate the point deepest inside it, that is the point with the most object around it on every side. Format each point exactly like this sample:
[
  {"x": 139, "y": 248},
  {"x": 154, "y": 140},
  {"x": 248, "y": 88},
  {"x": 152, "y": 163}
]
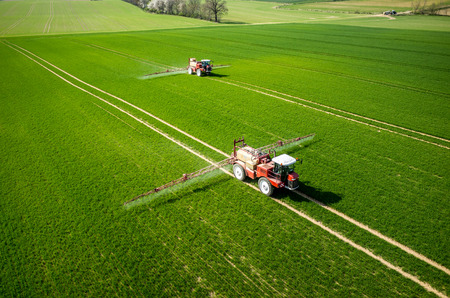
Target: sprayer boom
[
  {"x": 253, "y": 163},
  {"x": 267, "y": 148},
  {"x": 184, "y": 178}
]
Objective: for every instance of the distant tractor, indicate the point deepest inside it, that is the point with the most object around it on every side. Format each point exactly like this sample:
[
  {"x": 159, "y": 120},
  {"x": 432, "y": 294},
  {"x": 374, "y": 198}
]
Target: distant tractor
[
  {"x": 199, "y": 67},
  {"x": 390, "y": 12},
  {"x": 275, "y": 172}
]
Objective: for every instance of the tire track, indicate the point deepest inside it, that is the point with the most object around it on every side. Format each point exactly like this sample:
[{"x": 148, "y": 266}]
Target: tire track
[
  {"x": 82, "y": 24},
  {"x": 374, "y": 232},
  {"x": 220, "y": 256},
  {"x": 346, "y": 112},
  {"x": 8, "y": 12},
  {"x": 363, "y": 79},
  {"x": 281, "y": 46},
  {"x": 308, "y": 101},
  {"x": 138, "y": 59},
  {"x": 49, "y": 20},
  {"x": 337, "y": 115},
  {"x": 173, "y": 253},
  {"x": 121, "y": 100},
  {"x": 196, "y": 253},
  {"x": 304, "y": 100},
  {"x": 14, "y": 25},
  {"x": 101, "y": 15},
  {"x": 235, "y": 244},
  {"x": 409, "y": 276},
  {"x": 327, "y": 57}
]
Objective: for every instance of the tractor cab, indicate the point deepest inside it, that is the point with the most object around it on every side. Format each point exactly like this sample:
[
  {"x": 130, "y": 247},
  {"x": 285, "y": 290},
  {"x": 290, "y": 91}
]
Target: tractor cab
[
  {"x": 206, "y": 63},
  {"x": 284, "y": 165}
]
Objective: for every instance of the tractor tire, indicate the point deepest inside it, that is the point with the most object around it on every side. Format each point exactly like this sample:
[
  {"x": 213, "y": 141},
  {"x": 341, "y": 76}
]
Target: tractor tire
[
  {"x": 190, "y": 70},
  {"x": 199, "y": 72},
  {"x": 265, "y": 186},
  {"x": 238, "y": 172}
]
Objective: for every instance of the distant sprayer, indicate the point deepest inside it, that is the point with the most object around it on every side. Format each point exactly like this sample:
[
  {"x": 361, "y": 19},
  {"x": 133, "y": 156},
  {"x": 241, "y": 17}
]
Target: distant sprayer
[{"x": 200, "y": 67}]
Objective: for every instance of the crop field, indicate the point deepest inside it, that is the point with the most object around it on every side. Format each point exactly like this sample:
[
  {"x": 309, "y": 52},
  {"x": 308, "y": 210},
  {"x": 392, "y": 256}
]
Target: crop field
[
  {"x": 357, "y": 6},
  {"x": 27, "y": 17},
  {"x": 84, "y": 127}
]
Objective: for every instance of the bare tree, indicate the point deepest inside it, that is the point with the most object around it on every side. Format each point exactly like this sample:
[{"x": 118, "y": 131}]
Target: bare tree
[
  {"x": 217, "y": 8},
  {"x": 418, "y": 6},
  {"x": 433, "y": 9},
  {"x": 210, "y": 10}
]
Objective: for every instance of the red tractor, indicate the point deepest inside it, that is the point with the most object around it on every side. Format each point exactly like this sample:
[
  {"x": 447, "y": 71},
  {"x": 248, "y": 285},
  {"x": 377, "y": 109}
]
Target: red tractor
[
  {"x": 275, "y": 172},
  {"x": 255, "y": 163},
  {"x": 199, "y": 67}
]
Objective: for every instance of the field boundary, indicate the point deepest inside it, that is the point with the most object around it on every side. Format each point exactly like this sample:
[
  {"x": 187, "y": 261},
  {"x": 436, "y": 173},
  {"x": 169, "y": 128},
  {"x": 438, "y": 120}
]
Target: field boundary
[
  {"x": 425, "y": 285},
  {"x": 334, "y": 114}
]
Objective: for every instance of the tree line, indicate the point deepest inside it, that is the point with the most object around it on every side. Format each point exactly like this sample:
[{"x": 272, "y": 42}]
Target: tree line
[
  {"x": 211, "y": 10},
  {"x": 421, "y": 7}
]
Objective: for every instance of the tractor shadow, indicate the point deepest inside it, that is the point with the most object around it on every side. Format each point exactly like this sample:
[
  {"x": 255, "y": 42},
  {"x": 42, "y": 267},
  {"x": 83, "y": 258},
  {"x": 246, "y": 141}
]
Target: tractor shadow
[
  {"x": 217, "y": 75},
  {"x": 323, "y": 196},
  {"x": 326, "y": 197}
]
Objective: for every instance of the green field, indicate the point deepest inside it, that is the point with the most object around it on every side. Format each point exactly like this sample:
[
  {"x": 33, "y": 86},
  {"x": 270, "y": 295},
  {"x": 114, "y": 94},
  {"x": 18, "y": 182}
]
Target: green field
[
  {"x": 375, "y": 92},
  {"x": 358, "y": 6},
  {"x": 27, "y": 17}
]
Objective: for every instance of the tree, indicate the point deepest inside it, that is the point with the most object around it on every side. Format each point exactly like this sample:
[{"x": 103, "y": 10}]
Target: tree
[
  {"x": 193, "y": 8},
  {"x": 217, "y": 8},
  {"x": 418, "y": 6},
  {"x": 160, "y": 6},
  {"x": 170, "y": 6},
  {"x": 142, "y": 3}
]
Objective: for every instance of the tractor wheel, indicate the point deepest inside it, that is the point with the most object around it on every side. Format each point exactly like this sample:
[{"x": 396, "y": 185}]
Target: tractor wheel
[
  {"x": 199, "y": 72},
  {"x": 265, "y": 186},
  {"x": 190, "y": 70},
  {"x": 238, "y": 172}
]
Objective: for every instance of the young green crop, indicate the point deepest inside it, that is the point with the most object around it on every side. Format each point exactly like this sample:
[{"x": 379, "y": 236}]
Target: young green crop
[
  {"x": 59, "y": 17},
  {"x": 70, "y": 161},
  {"x": 228, "y": 112},
  {"x": 67, "y": 234}
]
